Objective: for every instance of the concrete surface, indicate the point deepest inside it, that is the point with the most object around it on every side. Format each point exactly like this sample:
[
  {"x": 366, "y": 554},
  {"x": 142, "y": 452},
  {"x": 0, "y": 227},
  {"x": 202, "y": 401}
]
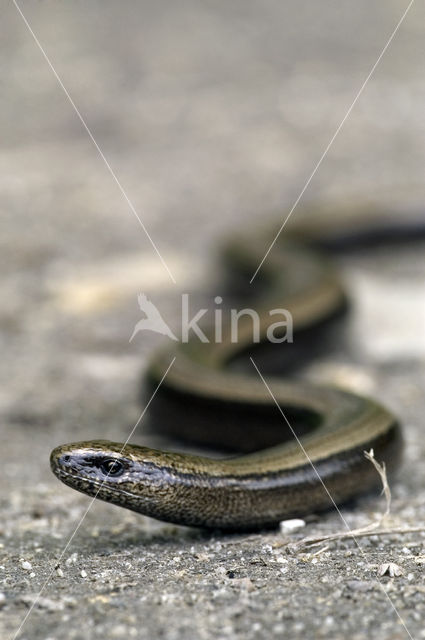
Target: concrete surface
[{"x": 212, "y": 115}]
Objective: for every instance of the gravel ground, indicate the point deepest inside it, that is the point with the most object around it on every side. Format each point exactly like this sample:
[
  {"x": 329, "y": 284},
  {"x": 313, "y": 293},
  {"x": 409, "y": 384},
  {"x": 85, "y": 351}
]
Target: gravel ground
[{"x": 212, "y": 115}]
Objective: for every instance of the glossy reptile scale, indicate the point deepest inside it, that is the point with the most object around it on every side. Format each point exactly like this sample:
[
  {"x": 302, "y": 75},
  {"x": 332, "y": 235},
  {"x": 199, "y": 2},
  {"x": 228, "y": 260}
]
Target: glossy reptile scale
[{"x": 203, "y": 400}]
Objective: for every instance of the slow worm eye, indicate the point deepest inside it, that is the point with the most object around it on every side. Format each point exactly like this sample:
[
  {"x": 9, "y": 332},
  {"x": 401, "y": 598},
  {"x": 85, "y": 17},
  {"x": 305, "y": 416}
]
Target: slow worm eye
[{"x": 112, "y": 468}]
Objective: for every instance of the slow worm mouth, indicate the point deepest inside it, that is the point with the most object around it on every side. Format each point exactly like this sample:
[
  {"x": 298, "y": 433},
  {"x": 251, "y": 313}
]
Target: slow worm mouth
[
  {"x": 89, "y": 486},
  {"x": 58, "y": 470},
  {"x": 64, "y": 475},
  {"x": 73, "y": 478}
]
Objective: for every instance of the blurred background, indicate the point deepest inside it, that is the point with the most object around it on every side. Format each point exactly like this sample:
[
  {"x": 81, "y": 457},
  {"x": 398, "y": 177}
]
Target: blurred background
[{"x": 212, "y": 116}]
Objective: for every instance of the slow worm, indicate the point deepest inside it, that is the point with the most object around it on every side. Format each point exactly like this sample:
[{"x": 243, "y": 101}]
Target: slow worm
[{"x": 207, "y": 401}]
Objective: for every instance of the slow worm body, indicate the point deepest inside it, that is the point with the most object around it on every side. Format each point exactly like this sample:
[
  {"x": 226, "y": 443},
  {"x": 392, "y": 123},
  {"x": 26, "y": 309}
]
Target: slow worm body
[{"x": 205, "y": 400}]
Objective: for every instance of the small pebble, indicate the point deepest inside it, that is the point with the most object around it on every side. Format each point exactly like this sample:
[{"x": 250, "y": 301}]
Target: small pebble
[
  {"x": 83, "y": 573},
  {"x": 360, "y": 585},
  {"x": 71, "y": 560},
  {"x": 26, "y": 565},
  {"x": 391, "y": 569},
  {"x": 119, "y": 631},
  {"x": 291, "y": 525}
]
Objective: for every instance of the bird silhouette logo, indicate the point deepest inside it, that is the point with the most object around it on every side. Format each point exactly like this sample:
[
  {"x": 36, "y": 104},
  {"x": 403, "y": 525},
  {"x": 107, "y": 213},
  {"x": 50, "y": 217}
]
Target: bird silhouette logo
[{"x": 153, "y": 321}]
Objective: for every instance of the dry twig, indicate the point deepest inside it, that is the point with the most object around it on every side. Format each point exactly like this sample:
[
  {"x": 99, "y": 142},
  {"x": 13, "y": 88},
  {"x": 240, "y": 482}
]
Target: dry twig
[{"x": 372, "y": 529}]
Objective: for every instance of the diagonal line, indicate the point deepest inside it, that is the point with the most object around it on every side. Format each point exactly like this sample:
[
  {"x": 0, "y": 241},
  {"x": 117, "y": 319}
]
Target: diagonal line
[
  {"x": 64, "y": 550},
  {"x": 89, "y": 133},
  {"x": 329, "y": 495},
  {"x": 332, "y": 140}
]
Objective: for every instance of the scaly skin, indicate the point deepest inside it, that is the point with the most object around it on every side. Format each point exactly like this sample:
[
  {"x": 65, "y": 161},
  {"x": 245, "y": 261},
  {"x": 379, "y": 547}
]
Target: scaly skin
[{"x": 202, "y": 401}]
